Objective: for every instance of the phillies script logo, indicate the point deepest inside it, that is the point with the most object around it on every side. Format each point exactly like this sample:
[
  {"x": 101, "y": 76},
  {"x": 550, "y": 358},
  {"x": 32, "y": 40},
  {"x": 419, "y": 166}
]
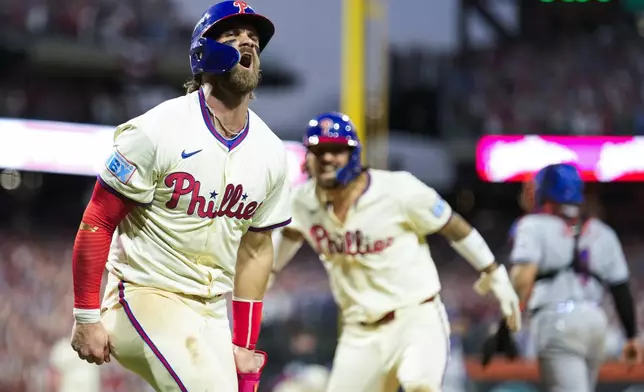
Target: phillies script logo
[
  {"x": 233, "y": 203},
  {"x": 351, "y": 243}
]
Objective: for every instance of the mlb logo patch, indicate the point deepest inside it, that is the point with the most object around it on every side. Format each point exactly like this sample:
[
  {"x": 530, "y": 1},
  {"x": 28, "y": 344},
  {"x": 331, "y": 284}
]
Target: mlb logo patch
[
  {"x": 120, "y": 167},
  {"x": 439, "y": 208}
]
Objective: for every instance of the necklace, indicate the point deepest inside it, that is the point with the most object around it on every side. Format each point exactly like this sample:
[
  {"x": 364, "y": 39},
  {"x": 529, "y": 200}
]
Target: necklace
[{"x": 226, "y": 132}]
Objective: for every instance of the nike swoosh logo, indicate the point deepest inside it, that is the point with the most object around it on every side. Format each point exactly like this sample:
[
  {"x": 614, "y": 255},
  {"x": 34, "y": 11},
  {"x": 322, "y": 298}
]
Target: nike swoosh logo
[{"x": 185, "y": 154}]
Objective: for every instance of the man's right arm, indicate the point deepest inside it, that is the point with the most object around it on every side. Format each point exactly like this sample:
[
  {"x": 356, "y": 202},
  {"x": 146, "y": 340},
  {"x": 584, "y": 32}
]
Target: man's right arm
[
  {"x": 525, "y": 256},
  {"x": 124, "y": 182},
  {"x": 91, "y": 247}
]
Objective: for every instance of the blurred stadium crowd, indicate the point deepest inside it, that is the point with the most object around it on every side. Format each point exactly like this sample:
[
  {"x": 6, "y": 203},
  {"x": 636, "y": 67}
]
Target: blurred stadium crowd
[
  {"x": 113, "y": 25},
  {"x": 587, "y": 85},
  {"x": 584, "y": 86},
  {"x": 108, "y": 22},
  {"x": 300, "y": 320}
]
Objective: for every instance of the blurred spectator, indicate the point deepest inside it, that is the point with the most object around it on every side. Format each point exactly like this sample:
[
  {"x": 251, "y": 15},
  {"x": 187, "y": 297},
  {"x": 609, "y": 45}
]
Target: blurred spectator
[
  {"x": 586, "y": 85},
  {"x": 108, "y": 22}
]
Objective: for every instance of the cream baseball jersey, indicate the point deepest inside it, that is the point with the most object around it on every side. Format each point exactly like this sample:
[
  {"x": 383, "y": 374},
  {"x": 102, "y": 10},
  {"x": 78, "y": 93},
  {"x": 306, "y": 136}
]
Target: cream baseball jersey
[
  {"x": 378, "y": 260},
  {"x": 548, "y": 241},
  {"x": 199, "y": 193}
]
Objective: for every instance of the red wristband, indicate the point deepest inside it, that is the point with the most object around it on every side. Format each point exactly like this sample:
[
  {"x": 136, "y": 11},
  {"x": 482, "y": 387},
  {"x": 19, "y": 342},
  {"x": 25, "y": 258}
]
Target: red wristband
[{"x": 247, "y": 321}]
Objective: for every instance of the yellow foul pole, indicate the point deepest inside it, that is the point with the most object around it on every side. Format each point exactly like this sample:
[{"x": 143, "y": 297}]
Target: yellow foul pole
[
  {"x": 352, "y": 100},
  {"x": 353, "y": 65}
]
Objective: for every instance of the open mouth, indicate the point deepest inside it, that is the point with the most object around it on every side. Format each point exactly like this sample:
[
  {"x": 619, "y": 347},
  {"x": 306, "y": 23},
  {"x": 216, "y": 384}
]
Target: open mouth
[
  {"x": 328, "y": 169},
  {"x": 246, "y": 60}
]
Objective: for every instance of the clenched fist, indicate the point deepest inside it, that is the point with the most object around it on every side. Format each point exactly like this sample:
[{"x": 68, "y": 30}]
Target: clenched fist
[
  {"x": 91, "y": 342},
  {"x": 247, "y": 361}
]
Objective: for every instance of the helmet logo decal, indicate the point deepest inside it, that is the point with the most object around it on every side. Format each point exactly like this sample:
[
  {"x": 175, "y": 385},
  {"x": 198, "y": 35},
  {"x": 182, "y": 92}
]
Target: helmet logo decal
[
  {"x": 325, "y": 125},
  {"x": 241, "y": 5}
]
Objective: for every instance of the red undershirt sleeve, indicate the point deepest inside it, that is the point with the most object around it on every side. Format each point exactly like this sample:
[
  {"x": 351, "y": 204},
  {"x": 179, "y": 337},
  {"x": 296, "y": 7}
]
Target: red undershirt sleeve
[{"x": 105, "y": 211}]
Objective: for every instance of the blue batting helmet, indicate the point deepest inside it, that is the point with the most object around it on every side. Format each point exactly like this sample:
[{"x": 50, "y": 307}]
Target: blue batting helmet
[
  {"x": 559, "y": 183},
  {"x": 336, "y": 128},
  {"x": 208, "y": 55}
]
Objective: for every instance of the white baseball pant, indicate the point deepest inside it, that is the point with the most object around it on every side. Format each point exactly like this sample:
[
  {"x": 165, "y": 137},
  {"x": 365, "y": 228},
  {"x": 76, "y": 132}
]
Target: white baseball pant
[
  {"x": 174, "y": 342},
  {"x": 410, "y": 351}
]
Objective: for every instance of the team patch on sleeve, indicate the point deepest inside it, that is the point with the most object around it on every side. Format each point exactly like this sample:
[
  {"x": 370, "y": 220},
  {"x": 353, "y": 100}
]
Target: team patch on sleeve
[
  {"x": 120, "y": 167},
  {"x": 439, "y": 208}
]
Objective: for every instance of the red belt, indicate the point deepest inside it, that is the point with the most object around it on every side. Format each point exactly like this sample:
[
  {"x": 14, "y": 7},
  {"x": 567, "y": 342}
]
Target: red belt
[{"x": 392, "y": 315}]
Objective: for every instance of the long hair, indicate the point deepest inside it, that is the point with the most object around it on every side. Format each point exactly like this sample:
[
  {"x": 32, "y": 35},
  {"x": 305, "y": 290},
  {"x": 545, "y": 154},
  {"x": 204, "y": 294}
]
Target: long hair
[{"x": 193, "y": 84}]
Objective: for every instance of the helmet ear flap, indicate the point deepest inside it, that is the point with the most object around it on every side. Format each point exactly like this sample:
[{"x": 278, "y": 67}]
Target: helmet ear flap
[
  {"x": 208, "y": 55},
  {"x": 196, "y": 55},
  {"x": 353, "y": 168}
]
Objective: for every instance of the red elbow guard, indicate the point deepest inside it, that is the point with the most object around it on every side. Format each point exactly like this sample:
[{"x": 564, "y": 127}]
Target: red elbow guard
[{"x": 247, "y": 321}]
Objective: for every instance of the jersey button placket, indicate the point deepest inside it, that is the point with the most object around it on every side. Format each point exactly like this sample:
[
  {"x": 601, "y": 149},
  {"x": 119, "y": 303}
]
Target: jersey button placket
[
  {"x": 221, "y": 191},
  {"x": 227, "y": 175}
]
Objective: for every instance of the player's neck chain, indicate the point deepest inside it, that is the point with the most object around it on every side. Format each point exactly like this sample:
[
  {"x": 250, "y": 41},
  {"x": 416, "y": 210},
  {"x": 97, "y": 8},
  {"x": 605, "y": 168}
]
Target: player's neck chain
[{"x": 224, "y": 131}]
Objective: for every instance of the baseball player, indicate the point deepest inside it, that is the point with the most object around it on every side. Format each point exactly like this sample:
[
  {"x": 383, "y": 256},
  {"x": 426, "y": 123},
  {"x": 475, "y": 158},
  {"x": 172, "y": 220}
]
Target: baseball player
[
  {"x": 562, "y": 262},
  {"x": 368, "y": 228},
  {"x": 185, "y": 206}
]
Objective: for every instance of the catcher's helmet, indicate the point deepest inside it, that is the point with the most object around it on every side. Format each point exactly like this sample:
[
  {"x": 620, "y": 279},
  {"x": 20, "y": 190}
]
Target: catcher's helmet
[
  {"x": 560, "y": 183},
  {"x": 336, "y": 128},
  {"x": 208, "y": 55}
]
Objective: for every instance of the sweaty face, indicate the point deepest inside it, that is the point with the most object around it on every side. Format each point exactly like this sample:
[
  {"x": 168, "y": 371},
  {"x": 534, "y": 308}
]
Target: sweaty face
[
  {"x": 244, "y": 77},
  {"x": 325, "y": 160}
]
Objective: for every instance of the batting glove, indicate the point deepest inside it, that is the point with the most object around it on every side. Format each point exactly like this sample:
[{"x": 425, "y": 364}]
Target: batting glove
[{"x": 499, "y": 283}]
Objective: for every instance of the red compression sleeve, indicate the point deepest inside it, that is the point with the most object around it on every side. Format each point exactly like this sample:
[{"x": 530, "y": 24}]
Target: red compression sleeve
[
  {"x": 92, "y": 245},
  {"x": 247, "y": 321}
]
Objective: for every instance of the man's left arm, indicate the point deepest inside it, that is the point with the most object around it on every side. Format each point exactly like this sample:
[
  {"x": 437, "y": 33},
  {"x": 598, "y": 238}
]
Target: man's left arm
[
  {"x": 252, "y": 270},
  {"x": 469, "y": 243},
  {"x": 430, "y": 214},
  {"x": 256, "y": 253},
  {"x": 254, "y": 265},
  {"x": 616, "y": 276}
]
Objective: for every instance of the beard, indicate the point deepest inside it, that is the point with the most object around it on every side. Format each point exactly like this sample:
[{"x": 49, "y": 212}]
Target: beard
[
  {"x": 240, "y": 81},
  {"x": 327, "y": 184},
  {"x": 326, "y": 180}
]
